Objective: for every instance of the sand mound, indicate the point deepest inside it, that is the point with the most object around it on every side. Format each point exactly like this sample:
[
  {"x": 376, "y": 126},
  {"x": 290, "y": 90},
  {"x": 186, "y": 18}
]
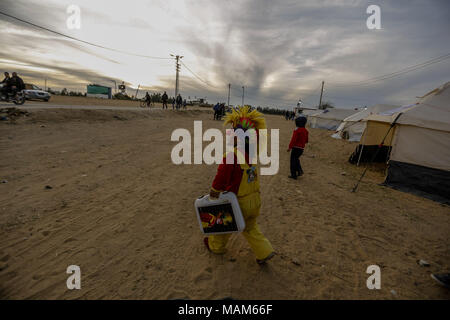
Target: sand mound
[{"x": 88, "y": 116}]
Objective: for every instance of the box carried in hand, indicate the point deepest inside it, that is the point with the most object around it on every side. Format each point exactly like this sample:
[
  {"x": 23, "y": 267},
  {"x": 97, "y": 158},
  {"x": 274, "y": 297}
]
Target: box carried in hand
[{"x": 219, "y": 216}]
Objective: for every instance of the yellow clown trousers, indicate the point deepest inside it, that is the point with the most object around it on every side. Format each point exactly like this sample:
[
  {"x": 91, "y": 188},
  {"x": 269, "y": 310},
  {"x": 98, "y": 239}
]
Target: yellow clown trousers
[{"x": 250, "y": 203}]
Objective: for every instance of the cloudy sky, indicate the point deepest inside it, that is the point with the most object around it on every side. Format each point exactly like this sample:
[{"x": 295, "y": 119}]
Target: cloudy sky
[{"x": 280, "y": 50}]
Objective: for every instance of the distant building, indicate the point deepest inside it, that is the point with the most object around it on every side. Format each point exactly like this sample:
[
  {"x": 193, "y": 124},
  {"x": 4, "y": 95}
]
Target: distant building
[{"x": 97, "y": 91}]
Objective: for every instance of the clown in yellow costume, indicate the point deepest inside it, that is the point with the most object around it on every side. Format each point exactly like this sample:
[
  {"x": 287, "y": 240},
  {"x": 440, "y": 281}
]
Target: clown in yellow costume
[{"x": 243, "y": 180}]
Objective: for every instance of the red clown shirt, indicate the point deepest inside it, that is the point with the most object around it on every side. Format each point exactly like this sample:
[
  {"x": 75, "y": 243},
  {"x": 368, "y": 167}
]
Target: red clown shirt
[{"x": 229, "y": 176}]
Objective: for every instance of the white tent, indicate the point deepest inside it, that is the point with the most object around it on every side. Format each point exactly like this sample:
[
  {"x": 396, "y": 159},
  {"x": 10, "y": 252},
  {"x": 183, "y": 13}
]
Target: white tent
[
  {"x": 389, "y": 115},
  {"x": 329, "y": 119},
  {"x": 308, "y": 113},
  {"x": 352, "y": 127},
  {"x": 377, "y": 129},
  {"x": 420, "y": 156}
]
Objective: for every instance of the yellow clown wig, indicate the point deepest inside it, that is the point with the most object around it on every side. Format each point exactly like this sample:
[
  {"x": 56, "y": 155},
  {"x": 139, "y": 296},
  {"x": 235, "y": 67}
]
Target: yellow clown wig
[{"x": 244, "y": 118}]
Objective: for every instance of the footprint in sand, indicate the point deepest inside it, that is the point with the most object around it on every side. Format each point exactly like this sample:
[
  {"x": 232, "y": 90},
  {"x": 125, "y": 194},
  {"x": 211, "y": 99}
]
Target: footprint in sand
[
  {"x": 70, "y": 240},
  {"x": 3, "y": 262},
  {"x": 203, "y": 276},
  {"x": 3, "y": 266},
  {"x": 37, "y": 277},
  {"x": 172, "y": 270}
]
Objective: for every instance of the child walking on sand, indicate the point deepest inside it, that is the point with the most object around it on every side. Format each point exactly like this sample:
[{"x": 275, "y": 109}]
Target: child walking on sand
[
  {"x": 297, "y": 145},
  {"x": 242, "y": 180}
]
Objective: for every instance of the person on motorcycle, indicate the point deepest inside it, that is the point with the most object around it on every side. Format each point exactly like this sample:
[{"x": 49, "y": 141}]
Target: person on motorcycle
[
  {"x": 16, "y": 84},
  {"x": 6, "y": 85},
  {"x": 7, "y": 77}
]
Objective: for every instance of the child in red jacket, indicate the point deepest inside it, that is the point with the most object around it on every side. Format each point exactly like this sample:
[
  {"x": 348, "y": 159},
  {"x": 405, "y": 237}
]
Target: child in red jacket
[{"x": 297, "y": 145}]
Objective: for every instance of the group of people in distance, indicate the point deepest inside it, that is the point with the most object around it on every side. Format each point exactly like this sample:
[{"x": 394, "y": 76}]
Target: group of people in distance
[
  {"x": 219, "y": 111},
  {"x": 12, "y": 84},
  {"x": 177, "y": 103},
  {"x": 289, "y": 115}
]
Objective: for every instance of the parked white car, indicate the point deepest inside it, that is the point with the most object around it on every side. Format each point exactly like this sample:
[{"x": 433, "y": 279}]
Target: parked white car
[{"x": 34, "y": 92}]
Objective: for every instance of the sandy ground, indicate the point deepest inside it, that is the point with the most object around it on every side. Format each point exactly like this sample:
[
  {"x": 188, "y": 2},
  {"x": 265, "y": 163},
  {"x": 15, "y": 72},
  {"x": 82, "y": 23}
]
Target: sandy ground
[
  {"x": 123, "y": 212},
  {"x": 88, "y": 103}
]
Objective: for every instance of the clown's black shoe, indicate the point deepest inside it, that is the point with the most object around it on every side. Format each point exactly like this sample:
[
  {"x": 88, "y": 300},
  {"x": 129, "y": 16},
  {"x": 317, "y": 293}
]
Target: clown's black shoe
[
  {"x": 263, "y": 261},
  {"x": 442, "y": 279}
]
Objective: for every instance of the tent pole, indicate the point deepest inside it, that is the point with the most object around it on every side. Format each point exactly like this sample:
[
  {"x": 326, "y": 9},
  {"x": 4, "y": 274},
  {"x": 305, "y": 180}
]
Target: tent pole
[
  {"x": 360, "y": 154},
  {"x": 362, "y": 146},
  {"x": 321, "y": 93},
  {"x": 390, "y": 149}
]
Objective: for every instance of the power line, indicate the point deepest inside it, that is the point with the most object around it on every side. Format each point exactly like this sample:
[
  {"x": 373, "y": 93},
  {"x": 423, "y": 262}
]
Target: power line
[
  {"x": 198, "y": 77},
  {"x": 396, "y": 73},
  {"x": 80, "y": 40}
]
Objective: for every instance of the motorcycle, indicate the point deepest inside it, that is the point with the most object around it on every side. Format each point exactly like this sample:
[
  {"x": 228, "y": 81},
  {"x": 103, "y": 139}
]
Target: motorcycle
[{"x": 18, "y": 98}]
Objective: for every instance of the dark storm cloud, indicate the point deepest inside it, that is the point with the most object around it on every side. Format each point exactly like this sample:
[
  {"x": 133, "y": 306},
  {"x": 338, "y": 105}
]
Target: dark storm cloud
[
  {"x": 62, "y": 76},
  {"x": 269, "y": 34},
  {"x": 28, "y": 42},
  {"x": 40, "y": 12}
]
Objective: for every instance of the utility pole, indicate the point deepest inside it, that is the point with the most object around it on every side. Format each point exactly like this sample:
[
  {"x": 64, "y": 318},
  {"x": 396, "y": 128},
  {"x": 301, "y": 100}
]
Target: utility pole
[
  {"x": 243, "y": 93},
  {"x": 177, "y": 80},
  {"x": 135, "y": 96},
  {"x": 177, "y": 68},
  {"x": 321, "y": 93},
  {"x": 229, "y": 88}
]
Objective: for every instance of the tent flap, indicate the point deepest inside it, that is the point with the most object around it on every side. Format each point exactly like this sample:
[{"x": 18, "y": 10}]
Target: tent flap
[
  {"x": 422, "y": 146},
  {"x": 352, "y": 127},
  {"x": 430, "y": 183}
]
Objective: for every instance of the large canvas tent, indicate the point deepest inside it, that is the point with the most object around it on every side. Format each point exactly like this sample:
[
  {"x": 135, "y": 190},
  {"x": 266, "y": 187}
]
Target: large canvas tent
[
  {"x": 308, "y": 113},
  {"x": 377, "y": 129},
  {"x": 329, "y": 119},
  {"x": 353, "y": 127},
  {"x": 420, "y": 156}
]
